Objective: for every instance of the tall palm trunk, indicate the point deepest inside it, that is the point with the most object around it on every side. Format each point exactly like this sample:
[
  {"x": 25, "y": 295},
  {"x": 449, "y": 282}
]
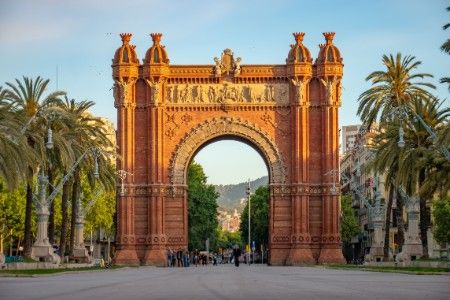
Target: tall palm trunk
[
  {"x": 388, "y": 223},
  {"x": 51, "y": 218},
  {"x": 28, "y": 242},
  {"x": 75, "y": 195},
  {"x": 64, "y": 215},
  {"x": 400, "y": 223},
  {"x": 424, "y": 218}
]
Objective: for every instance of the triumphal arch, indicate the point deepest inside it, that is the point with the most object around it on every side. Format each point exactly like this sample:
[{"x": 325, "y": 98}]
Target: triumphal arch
[{"x": 289, "y": 112}]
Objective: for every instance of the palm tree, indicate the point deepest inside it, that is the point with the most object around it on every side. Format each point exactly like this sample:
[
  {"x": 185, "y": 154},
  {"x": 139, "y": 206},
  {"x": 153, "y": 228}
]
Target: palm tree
[
  {"x": 446, "y": 48},
  {"x": 419, "y": 167},
  {"x": 11, "y": 143},
  {"x": 27, "y": 97},
  {"x": 395, "y": 87},
  {"x": 392, "y": 88},
  {"x": 87, "y": 132},
  {"x": 385, "y": 161}
]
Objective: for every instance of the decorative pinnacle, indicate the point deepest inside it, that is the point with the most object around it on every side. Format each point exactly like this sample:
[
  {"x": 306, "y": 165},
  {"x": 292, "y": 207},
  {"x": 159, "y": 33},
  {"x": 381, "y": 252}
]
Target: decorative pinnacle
[
  {"x": 126, "y": 37},
  {"x": 298, "y": 37},
  {"x": 156, "y": 37},
  {"x": 329, "y": 37}
]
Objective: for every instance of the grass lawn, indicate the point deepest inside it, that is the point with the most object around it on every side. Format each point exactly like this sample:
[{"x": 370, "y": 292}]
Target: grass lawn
[
  {"x": 407, "y": 270},
  {"x": 32, "y": 272}
]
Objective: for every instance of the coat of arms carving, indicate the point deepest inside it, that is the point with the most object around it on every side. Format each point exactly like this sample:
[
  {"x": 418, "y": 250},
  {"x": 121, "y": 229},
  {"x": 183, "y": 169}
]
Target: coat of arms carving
[{"x": 227, "y": 64}]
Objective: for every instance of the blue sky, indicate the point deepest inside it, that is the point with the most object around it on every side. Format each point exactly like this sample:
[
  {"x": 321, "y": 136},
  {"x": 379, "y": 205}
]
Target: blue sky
[{"x": 79, "y": 39}]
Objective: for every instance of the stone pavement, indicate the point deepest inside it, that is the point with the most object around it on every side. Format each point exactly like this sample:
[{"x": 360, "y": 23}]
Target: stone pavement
[{"x": 227, "y": 282}]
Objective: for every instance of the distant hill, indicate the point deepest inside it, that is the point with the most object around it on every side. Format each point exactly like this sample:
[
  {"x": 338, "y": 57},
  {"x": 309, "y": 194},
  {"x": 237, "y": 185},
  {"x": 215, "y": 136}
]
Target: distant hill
[{"x": 231, "y": 194}]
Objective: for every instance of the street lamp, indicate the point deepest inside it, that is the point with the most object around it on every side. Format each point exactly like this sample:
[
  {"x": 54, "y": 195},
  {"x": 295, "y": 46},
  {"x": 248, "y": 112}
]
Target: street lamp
[
  {"x": 122, "y": 175},
  {"x": 402, "y": 112},
  {"x": 42, "y": 248},
  {"x": 249, "y": 229},
  {"x": 79, "y": 251}
]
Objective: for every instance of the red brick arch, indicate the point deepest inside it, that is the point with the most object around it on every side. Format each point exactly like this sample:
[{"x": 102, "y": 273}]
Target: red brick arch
[{"x": 288, "y": 113}]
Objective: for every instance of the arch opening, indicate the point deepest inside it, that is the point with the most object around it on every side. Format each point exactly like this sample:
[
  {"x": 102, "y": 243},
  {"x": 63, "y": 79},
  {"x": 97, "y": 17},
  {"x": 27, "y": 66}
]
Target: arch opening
[{"x": 231, "y": 161}]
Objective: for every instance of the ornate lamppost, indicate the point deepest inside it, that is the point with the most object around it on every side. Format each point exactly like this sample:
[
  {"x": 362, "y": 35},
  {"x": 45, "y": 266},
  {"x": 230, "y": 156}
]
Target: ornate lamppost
[
  {"x": 80, "y": 252},
  {"x": 402, "y": 113},
  {"x": 249, "y": 223},
  {"x": 413, "y": 244},
  {"x": 42, "y": 249}
]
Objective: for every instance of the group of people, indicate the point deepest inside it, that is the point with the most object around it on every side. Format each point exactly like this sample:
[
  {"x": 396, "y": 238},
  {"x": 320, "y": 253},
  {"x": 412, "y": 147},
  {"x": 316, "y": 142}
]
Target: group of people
[{"x": 184, "y": 258}]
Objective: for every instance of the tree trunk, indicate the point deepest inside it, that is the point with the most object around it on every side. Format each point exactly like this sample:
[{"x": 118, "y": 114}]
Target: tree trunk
[
  {"x": 400, "y": 223},
  {"x": 75, "y": 195},
  {"x": 387, "y": 223},
  {"x": 424, "y": 218},
  {"x": 51, "y": 218},
  {"x": 28, "y": 242},
  {"x": 64, "y": 215}
]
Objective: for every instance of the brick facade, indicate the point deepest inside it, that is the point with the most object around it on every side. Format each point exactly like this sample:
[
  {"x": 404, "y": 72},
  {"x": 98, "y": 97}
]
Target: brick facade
[{"x": 166, "y": 113}]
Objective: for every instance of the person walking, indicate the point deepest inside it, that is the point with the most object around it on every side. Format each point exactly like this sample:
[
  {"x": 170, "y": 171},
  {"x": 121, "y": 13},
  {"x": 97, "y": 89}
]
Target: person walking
[
  {"x": 179, "y": 257},
  {"x": 236, "y": 255}
]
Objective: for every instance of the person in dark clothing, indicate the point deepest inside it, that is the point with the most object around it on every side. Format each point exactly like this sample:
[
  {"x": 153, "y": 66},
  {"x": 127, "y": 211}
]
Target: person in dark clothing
[
  {"x": 179, "y": 257},
  {"x": 236, "y": 255}
]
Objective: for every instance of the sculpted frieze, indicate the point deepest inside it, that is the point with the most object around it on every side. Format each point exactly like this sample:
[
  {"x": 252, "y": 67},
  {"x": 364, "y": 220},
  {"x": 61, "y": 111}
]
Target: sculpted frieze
[{"x": 275, "y": 93}]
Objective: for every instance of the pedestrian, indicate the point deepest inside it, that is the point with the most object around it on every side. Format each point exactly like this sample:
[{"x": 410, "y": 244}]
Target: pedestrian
[
  {"x": 236, "y": 255},
  {"x": 169, "y": 257},
  {"x": 179, "y": 257},
  {"x": 185, "y": 258},
  {"x": 174, "y": 259},
  {"x": 196, "y": 257}
]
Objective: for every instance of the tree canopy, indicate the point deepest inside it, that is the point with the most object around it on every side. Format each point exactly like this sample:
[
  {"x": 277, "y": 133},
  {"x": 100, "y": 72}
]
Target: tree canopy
[
  {"x": 202, "y": 209},
  {"x": 259, "y": 221}
]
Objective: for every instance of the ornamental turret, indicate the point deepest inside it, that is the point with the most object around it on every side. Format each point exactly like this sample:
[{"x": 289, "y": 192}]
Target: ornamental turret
[
  {"x": 329, "y": 62},
  {"x": 125, "y": 63},
  {"x": 299, "y": 59},
  {"x": 329, "y": 70},
  {"x": 156, "y": 62},
  {"x": 299, "y": 70}
]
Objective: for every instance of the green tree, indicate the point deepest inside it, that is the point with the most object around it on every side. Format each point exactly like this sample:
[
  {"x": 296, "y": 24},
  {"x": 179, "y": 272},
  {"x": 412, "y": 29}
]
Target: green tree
[
  {"x": 12, "y": 215},
  {"x": 397, "y": 87},
  {"x": 349, "y": 223},
  {"x": 393, "y": 87},
  {"x": 227, "y": 239},
  {"x": 27, "y": 98},
  {"x": 202, "y": 209},
  {"x": 12, "y": 142},
  {"x": 446, "y": 48},
  {"x": 259, "y": 221},
  {"x": 441, "y": 214}
]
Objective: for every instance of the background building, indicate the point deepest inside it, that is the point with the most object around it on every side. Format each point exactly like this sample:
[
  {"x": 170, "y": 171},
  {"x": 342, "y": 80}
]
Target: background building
[{"x": 349, "y": 134}]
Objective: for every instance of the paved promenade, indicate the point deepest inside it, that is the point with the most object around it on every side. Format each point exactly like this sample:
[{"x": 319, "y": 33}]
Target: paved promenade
[{"x": 227, "y": 282}]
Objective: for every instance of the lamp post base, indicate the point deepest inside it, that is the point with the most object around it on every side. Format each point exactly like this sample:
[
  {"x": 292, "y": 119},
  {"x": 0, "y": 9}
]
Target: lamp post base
[{"x": 44, "y": 252}]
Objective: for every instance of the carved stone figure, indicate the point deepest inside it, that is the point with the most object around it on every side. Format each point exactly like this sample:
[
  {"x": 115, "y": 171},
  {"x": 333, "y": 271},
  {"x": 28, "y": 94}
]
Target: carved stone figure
[
  {"x": 218, "y": 67},
  {"x": 154, "y": 91},
  {"x": 211, "y": 94},
  {"x": 329, "y": 85},
  {"x": 171, "y": 94},
  {"x": 123, "y": 89},
  {"x": 237, "y": 67}
]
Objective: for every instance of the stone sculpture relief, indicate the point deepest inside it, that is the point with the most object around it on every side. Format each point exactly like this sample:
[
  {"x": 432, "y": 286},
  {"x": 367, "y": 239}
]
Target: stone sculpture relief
[
  {"x": 330, "y": 85},
  {"x": 154, "y": 90},
  {"x": 300, "y": 90},
  {"x": 227, "y": 93},
  {"x": 123, "y": 90},
  {"x": 227, "y": 64}
]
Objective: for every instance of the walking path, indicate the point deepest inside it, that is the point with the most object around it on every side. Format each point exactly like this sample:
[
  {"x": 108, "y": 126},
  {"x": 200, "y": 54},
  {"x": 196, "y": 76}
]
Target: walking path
[{"x": 227, "y": 282}]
